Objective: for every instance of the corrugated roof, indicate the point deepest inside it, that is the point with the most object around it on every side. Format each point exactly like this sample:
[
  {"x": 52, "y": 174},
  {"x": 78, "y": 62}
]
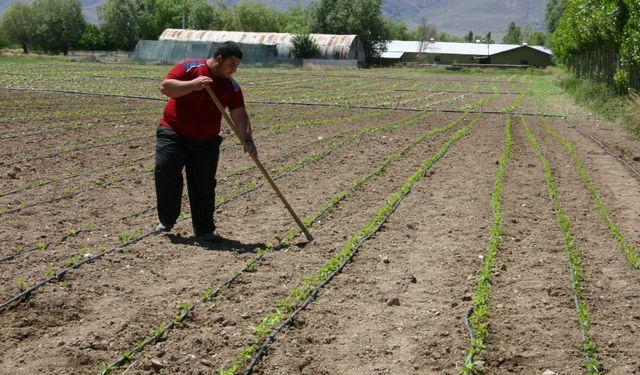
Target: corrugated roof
[
  {"x": 452, "y": 48},
  {"x": 252, "y": 37}
]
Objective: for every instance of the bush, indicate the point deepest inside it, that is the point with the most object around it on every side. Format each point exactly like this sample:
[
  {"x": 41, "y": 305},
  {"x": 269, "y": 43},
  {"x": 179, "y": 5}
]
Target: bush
[{"x": 303, "y": 47}]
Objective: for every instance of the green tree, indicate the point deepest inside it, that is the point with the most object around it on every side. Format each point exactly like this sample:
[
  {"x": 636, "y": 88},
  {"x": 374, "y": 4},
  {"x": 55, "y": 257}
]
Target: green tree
[
  {"x": 553, "y": 12},
  {"x": 360, "y": 17},
  {"x": 444, "y": 37},
  {"x": 599, "y": 40},
  {"x": 59, "y": 24},
  {"x": 469, "y": 37},
  {"x": 253, "y": 16},
  {"x": 3, "y": 39},
  {"x": 398, "y": 30},
  {"x": 303, "y": 47},
  {"x": 18, "y": 24},
  {"x": 537, "y": 38},
  {"x": 487, "y": 38},
  {"x": 92, "y": 39},
  {"x": 120, "y": 22},
  {"x": 513, "y": 34},
  {"x": 203, "y": 16},
  {"x": 295, "y": 19}
]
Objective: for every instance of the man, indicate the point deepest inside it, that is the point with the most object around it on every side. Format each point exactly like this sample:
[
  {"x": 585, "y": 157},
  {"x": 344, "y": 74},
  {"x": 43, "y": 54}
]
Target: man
[{"x": 189, "y": 136}]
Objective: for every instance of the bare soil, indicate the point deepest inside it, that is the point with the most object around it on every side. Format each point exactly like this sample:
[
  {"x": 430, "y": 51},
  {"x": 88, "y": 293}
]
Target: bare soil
[{"x": 396, "y": 308}]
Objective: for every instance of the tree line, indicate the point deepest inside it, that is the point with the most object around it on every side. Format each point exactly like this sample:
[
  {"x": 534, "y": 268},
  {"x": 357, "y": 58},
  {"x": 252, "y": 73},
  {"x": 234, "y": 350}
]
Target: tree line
[
  {"x": 599, "y": 40},
  {"x": 57, "y": 26}
]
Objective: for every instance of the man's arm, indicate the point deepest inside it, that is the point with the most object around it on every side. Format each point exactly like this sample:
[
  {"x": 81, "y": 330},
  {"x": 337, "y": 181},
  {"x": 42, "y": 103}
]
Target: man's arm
[
  {"x": 175, "y": 88},
  {"x": 241, "y": 119}
]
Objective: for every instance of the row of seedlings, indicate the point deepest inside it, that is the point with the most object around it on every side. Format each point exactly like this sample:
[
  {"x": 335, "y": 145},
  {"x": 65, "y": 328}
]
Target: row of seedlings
[
  {"x": 299, "y": 297},
  {"x": 283, "y": 241}
]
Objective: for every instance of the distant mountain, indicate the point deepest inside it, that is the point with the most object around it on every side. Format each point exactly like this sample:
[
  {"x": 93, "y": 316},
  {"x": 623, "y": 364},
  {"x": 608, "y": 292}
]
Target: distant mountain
[{"x": 455, "y": 17}]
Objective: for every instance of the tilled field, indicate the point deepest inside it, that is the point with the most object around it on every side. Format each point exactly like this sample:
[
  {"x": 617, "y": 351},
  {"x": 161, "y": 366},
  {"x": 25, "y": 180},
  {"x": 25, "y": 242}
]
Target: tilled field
[{"x": 457, "y": 227}]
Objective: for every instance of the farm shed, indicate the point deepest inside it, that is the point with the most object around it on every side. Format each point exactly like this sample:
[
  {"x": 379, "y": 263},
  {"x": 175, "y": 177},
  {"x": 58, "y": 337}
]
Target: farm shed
[
  {"x": 467, "y": 53},
  {"x": 177, "y": 44}
]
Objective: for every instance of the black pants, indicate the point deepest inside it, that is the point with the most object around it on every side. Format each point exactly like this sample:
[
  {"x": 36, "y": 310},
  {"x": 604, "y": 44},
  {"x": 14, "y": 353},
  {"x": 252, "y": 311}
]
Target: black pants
[{"x": 200, "y": 160}]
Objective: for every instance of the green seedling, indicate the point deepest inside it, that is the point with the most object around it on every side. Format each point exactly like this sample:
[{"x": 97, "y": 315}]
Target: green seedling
[
  {"x": 127, "y": 236},
  {"x": 21, "y": 283},
  {"x": 251, "y": 266},
  {"x": 159, "y": 328},
  {"x": 140, "y": 344},
  {"x": 71, "y": 261},
  {"x": 207, "y": 293},
  {"x": 41, "y": 245},
  {"x": 49, "y": 271},
  {"x": 106, "y": 367},
  {"x": 185, "y": 305},
  {"x": 20, "y": 248}
]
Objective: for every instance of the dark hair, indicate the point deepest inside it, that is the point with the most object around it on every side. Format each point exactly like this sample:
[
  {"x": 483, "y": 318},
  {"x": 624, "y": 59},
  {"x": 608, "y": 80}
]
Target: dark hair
[{"x": 228, "y": 49}]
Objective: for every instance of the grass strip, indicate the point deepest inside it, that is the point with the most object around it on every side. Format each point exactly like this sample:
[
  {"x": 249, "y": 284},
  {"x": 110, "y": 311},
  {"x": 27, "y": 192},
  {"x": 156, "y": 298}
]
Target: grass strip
[
  {"x": 589, "y": 347},
  {"x": 481, "y": 309},
  {"x": 300, "y": 295},
  {"x": 630, "y": 251},
  {"x": 250, "y": 266}
]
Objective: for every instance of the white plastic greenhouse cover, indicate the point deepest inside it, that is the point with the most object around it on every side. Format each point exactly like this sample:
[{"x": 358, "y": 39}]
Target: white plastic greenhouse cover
[{"x": 331, "y": 46}]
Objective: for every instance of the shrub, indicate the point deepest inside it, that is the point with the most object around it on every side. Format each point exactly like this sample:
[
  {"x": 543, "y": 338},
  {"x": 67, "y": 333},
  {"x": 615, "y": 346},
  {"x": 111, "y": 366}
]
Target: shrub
[{"x": 303, "y": 46}]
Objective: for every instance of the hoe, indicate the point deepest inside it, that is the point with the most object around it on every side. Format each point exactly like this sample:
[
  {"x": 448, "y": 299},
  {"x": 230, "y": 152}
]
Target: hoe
[{"x": 259, "y": 164}]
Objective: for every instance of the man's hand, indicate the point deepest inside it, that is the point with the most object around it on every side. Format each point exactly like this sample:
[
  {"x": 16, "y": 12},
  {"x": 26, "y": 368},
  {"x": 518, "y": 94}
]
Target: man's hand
[
  {"x": 174, "y": 88},
  {"x": 201, "y": 82},
  {"x": 250, "y": 148}
]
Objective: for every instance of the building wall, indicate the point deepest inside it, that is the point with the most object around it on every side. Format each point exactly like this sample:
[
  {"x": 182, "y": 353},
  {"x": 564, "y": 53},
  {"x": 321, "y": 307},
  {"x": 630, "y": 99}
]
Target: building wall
[
  {"x": 522, "y": 56},
  {"x": 437, "y": 58}
]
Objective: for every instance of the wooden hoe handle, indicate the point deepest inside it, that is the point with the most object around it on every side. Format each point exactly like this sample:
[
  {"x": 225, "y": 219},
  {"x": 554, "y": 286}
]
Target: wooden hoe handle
[{"x": 259, "y": 164}]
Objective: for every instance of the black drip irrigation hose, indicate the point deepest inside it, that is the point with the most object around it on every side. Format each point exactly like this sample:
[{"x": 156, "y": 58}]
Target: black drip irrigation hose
[
  {"x": 75, "y": 232},
  {"x": 167, "y": 327},
  {"x": 60, "y": 274},
  {"x": 52, "y": 155},
  {"x": 313, "y": 104},
  {"x": 596, "y": 141},
  {"x": 23, "y": 295},
  {"x": 574, "y": 290},
  {"x": 25, "y": 134},
  {"x": 86, "y": 93},
  {"x": 410, "y": 109},
  {"x": 72, "y": 194},
  {"x": 467, "y": 325},
  {"x": 157, "y": 335},
  {"x": 263, "y": 348},
  {"x": 59, "y": 179}
]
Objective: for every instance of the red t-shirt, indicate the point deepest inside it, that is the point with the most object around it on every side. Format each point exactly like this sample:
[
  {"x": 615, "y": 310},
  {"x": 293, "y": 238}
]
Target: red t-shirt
[{"x": 195, "y": 115}]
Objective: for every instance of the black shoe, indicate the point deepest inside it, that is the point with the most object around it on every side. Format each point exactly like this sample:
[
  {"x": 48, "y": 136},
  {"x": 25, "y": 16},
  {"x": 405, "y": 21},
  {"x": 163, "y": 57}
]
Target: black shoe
[{"x": 163, "y": 228}]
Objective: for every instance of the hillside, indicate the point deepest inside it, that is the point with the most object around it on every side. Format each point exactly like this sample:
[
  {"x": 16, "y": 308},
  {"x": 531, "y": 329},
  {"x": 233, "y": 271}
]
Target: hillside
[{"x": 455, "y": 17}]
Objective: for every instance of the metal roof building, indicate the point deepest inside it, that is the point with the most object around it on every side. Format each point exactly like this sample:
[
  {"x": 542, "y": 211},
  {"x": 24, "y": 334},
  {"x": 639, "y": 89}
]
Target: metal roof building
[
  {"x": 468, "y": 53},
  {"x": 257, "y": 47}
]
